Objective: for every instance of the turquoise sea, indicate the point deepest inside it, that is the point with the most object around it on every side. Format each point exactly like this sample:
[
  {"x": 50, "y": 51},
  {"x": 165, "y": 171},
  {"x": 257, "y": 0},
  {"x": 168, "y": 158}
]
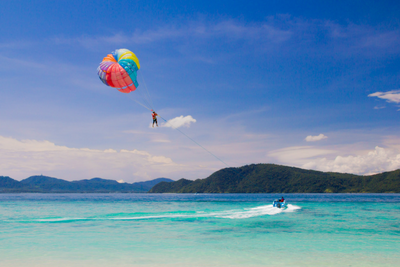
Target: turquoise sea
[{"x": 199, "y": 230}]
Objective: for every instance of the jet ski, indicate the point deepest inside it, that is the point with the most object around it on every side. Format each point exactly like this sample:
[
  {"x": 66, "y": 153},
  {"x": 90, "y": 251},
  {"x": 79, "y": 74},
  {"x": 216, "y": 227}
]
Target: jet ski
[{"x": 278, "y": 203}]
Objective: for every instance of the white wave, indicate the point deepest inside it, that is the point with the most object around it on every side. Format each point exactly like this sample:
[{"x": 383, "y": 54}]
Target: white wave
[
  {"x": 66, "y": 219},
  {"x": 291, "y": 208},
  {"x": 229, "y": 214},
  {"x": 150, "y": 217},
  {"x": 258, "y": 211},
  {"x": 60, "y": 219}
]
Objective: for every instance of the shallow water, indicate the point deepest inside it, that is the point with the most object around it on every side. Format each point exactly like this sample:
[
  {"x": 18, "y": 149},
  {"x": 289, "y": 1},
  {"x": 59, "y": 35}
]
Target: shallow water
[{"x": 199, "y": 230}]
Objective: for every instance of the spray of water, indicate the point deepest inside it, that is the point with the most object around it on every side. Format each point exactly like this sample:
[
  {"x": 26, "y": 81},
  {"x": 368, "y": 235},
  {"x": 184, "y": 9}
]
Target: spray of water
[{"x": 228, "y": 214}]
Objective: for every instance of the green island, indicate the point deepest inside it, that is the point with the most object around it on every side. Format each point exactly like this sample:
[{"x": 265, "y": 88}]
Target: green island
[
  {"x": 271, "y": 178},
  {"x": 254, "y": 178},
  {"x": 45, "y": 184}
]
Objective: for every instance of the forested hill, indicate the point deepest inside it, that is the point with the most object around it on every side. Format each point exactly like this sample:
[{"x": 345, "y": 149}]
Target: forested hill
[
  {"x": 271, "y": 178},
  {"x": 45, "y": 184}
]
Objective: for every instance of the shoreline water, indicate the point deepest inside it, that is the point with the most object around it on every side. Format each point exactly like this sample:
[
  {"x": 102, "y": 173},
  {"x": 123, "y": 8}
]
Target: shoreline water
[{"x": 198, "y": 230}]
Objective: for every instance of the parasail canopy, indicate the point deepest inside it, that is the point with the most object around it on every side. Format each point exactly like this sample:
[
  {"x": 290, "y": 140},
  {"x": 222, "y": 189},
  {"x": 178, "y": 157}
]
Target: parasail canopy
[{"x": 119, "y": 70}]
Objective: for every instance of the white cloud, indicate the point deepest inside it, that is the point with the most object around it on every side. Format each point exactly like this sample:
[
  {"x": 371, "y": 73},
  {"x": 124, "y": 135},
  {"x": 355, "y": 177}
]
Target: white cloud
[
  {"x": 20, "y": 159},
  {"x": 379, "y": 107},
  {"x": 230, "y": 29},
  {"x": 390, "y": 96},
  {"x": 361, "y": 162},
  {"x": 274, "y": 32},
  {"x": 375, "y": 161},
  {"x": 297, "y": 154},
  {"x": 179, "y": 122},
  {"x": 319, "y": 137}
]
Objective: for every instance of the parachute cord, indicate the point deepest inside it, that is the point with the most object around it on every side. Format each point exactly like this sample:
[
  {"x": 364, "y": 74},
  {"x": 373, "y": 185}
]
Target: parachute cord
[
  {"x": 147, "y": 99},
  {"x": 148, "y": 96},
  {"x": 196, "y": 143},
  {"x": 183, "y": 133},
  {"x": 146, "y": 107}
]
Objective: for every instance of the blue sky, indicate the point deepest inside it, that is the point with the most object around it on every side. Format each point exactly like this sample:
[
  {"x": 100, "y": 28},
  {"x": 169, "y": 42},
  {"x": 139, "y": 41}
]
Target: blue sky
[{"x": 311, "y": 84}]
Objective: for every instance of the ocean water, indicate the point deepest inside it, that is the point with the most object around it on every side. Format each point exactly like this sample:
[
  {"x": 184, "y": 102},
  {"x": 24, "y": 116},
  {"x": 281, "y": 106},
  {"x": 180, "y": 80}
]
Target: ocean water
[{"x": 199, "y": 230}]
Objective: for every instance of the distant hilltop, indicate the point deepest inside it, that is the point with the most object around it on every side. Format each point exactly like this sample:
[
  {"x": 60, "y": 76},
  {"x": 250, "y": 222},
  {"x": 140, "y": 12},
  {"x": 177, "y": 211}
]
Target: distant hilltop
[
  {"x": 255, "y": 178},
  {"x": 45, "y": 184},
  {"x": 271, "y": 178}
]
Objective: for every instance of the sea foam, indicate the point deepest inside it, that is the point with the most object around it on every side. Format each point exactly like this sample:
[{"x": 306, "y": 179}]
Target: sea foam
[{"x": 229, "y": 214}]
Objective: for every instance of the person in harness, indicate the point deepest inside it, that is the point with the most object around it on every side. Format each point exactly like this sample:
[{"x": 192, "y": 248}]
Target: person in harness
[{"x": 154, "y": 115}]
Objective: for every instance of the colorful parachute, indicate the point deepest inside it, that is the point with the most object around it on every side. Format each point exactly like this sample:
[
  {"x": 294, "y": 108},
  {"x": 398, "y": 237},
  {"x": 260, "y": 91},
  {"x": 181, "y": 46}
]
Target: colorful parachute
[{"x": 119, "y": 70}]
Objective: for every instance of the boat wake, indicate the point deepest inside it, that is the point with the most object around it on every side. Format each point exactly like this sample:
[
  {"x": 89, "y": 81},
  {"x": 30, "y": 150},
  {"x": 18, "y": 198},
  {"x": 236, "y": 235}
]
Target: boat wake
[
  {"x": 258, "y": 211},
  {"x": 229, "y": 214}
]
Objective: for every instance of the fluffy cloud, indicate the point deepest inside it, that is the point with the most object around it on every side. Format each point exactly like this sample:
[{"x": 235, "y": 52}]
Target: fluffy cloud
[
  {"x": 390, "y": 96},
  {"x": 20, "y": 159},
  {"x": 308, "y": 157},
  {"x": 375, "y": 161},
  {"x": 179, "y": 122},
  {"x": 319, "y": 137}
]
